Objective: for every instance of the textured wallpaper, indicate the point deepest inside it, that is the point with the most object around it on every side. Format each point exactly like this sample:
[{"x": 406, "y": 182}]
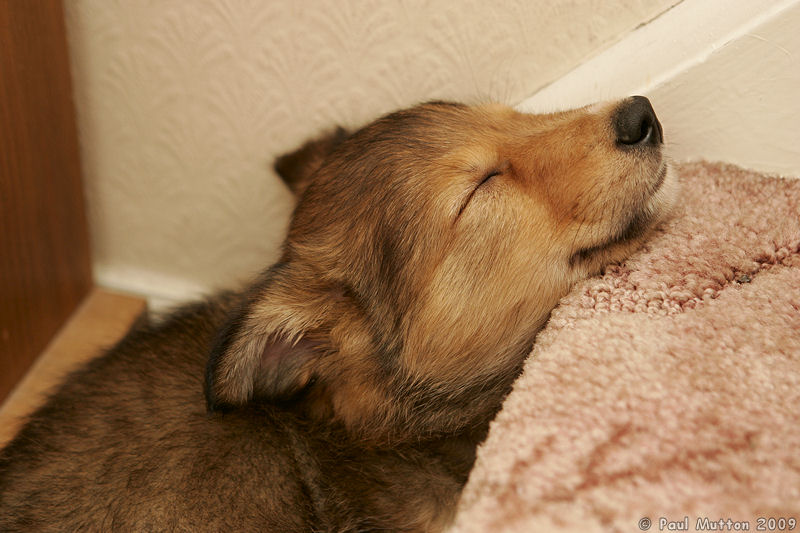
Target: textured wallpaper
[{"x": 183, "y": 104}]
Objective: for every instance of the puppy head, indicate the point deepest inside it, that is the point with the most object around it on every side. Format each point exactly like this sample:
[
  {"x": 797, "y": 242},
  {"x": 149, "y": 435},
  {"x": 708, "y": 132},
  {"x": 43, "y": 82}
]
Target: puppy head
[{"x": 426, "y": 251}]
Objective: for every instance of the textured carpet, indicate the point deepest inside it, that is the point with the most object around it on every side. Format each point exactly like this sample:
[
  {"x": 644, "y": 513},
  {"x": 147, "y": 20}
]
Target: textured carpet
[{"x": 669, "y": 387}]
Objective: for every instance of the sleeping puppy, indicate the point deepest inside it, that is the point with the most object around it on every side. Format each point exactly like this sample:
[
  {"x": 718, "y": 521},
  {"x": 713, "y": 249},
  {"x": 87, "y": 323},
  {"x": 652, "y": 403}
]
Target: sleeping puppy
[{"x": 348, "y": 387}]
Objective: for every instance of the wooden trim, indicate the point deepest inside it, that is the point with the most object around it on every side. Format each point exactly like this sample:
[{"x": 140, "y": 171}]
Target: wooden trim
[{"x": 44, "y": 247}]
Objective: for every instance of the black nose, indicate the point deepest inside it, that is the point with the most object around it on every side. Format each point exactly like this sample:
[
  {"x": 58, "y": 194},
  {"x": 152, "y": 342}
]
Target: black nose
[{"x": 635, "y": 123}]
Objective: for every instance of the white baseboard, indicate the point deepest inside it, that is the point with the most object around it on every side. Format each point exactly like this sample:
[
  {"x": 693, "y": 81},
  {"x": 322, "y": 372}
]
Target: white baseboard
[
  {"x": 723, "y": 75},
  {"x": 162, "y": 292}
]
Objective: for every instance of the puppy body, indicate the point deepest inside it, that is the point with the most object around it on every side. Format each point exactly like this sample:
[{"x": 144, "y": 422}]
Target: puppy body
[
  {"x": 140, "y": 452},
  {"x": 348, "y": 387}
]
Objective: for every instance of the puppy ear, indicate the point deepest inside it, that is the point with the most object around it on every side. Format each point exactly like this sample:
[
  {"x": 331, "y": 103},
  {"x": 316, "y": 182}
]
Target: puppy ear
[
  {"x": 262, "y": 352},
  {"x": 296, "y": 168}
]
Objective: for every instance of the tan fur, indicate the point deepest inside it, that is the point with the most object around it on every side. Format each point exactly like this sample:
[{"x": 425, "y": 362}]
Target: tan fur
[{"x": 348, "y": 387}]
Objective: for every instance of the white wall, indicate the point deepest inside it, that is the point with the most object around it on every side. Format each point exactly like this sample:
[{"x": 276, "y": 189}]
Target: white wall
[
  {"x": 182, "y": 105},
  {"x": 723, "y": 76}
]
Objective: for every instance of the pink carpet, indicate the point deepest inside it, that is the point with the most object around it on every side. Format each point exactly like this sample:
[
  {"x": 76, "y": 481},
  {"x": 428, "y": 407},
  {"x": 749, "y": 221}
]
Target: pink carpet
[{"x": 667, "y": 388}]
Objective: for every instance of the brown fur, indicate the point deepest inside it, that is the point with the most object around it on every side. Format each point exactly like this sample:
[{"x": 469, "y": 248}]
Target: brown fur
[{"x": 348, "y": 387}]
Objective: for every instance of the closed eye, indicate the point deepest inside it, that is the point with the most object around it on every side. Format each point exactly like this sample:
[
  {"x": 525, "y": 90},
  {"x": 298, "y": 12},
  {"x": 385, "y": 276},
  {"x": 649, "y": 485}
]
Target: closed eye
[{"x": 489, "y": 175}]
